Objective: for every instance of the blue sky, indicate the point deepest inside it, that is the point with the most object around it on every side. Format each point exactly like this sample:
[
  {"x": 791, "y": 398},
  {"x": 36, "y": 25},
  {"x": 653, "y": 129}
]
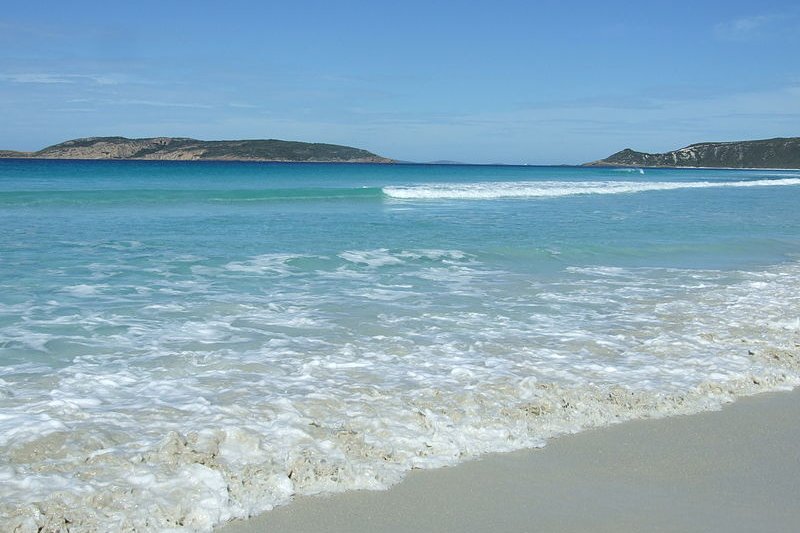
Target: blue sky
[{"x": 515, "y": 82}]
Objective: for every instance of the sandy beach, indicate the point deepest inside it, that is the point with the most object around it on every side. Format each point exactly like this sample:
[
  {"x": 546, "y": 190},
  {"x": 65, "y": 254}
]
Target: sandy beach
[{"x": 733, "y": 470}]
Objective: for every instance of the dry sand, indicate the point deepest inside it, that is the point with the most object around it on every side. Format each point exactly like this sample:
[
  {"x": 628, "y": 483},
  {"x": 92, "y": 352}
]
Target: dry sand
[{"x": 735, "y": 470}]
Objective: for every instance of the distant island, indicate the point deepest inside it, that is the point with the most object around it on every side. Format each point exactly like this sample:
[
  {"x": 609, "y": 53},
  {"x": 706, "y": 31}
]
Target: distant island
[
  {"x": 766, "y": 153},
  {"x": 186, "y": 149}
]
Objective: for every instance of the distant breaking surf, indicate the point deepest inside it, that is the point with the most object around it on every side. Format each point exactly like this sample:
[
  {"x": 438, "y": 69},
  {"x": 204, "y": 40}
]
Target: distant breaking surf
[{"x": 549, "y": 189}]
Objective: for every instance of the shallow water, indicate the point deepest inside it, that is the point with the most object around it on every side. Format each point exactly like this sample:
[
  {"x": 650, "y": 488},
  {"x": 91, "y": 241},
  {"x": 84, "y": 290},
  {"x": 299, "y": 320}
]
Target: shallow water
[{"x": 183, "y": 343}]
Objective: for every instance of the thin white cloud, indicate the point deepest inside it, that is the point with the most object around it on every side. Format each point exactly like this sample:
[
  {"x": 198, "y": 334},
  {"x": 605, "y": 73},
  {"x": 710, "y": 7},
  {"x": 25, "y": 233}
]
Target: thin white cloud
[
  {"x": 47, "y": 78},
  {"x": 36, "y": 78},
  {"x": 75, "y": 110},
  {"x": 101, "y": 79},
  {"x": 744, "y": 28},
  {"x": 158, "y": 103}
]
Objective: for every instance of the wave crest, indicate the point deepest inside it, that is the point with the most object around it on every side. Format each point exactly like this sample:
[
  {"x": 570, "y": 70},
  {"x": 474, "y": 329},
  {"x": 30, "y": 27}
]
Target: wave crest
[{"x": 550, "y": 189}]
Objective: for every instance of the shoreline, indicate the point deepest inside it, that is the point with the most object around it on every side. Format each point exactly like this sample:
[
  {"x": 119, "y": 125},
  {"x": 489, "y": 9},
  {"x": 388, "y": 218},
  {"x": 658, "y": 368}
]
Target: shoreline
[{"x": 736, "y": 469}]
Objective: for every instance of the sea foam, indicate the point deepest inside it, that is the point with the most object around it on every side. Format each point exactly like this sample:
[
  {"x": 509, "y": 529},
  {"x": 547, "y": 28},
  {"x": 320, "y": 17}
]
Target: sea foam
[
  {"x": 550, "y": 189},
  {"x": 217, "y": 409}
]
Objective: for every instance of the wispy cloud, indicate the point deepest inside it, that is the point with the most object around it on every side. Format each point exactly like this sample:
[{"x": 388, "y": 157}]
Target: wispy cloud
[
  {"x": 159, "y": 103},
  {"x": 36, "y": 78},
  {"x": 48, "y": 78},
  {"x": 745, "y": 28},
  {"x": 75, "y": 110}
]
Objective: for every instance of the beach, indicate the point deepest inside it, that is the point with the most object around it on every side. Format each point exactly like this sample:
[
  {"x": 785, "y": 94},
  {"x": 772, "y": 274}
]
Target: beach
[
  {"x": 316, "y": 267},
  {"x": 734, "y": 470}
]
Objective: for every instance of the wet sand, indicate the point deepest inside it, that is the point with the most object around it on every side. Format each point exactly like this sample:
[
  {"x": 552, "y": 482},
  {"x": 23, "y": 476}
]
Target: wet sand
[{"x": 735, "y": 470}]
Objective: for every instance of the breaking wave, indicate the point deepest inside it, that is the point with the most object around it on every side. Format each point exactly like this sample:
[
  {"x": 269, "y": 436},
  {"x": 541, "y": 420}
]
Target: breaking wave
[
  {"x": 549, "y": 189},
  {"x": 195, "y": 410}
]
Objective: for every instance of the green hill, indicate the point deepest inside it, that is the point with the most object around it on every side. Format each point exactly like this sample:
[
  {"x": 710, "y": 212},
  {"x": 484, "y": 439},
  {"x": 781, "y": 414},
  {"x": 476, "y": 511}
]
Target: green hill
[
  {"x": 766, "y": 153},
  {"x": 181, "y": 148}
]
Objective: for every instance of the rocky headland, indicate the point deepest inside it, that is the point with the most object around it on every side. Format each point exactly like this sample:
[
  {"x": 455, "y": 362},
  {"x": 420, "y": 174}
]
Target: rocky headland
[
  {"x": 766, "y": 153},
  {"x": 182, "y": 148}
]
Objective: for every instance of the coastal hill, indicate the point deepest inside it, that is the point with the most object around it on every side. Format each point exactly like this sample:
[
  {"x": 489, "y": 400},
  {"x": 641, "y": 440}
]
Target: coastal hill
[
  {"x": 182, "y": 148},
  {"x": 766, "y": 153}
]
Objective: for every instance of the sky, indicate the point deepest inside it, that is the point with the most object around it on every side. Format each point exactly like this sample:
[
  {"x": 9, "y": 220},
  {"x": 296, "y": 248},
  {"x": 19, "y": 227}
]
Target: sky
[{"x": 536, "y": 82}]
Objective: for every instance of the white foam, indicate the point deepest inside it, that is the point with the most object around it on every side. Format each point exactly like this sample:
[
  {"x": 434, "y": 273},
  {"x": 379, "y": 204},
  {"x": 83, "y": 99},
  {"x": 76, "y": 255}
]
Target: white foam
[
  {"x": 551, "y": 189},
  {"x": 211, "y": 404},
  {"x": 84, "y": 289},
  {"x": 629, "y": 170},
  {"x": 371, "y": 258},
  {"x": 263, "y": 264}
]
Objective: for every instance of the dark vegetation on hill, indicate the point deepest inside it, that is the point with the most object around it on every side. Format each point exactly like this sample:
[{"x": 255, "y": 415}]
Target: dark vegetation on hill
[
  {"x": 181, "y": 148},
  {"x": 766, "y": 153}
]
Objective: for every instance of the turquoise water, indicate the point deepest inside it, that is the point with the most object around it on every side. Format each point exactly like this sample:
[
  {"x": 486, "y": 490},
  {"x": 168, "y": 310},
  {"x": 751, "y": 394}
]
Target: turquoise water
[{"x": 205, "y": 340}]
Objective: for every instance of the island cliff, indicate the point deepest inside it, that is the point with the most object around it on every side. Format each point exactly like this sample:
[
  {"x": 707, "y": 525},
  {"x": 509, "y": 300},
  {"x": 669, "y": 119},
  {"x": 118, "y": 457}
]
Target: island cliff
[
  {"x": 181, "y": 148},
  {"x": 766, "y": 153}
]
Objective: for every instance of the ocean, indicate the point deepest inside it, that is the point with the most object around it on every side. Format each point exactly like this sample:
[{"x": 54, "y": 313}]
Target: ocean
[{"x": 182, "y": 343}]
